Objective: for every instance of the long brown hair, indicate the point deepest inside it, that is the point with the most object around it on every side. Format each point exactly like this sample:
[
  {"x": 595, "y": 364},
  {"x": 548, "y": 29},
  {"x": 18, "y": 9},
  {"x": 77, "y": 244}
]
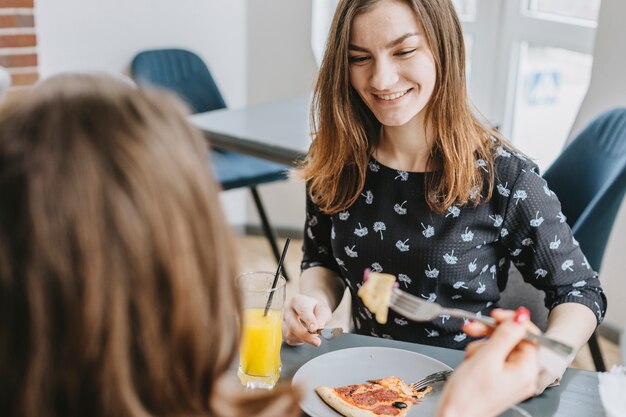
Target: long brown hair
[
  {"x": 117, "y": 270},
  {"x": 346, "y": 131}
]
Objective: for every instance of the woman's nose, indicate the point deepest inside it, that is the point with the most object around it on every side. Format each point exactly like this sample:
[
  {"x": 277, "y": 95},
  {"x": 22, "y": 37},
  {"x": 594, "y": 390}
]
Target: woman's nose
[{"x": 384, "y": 76}]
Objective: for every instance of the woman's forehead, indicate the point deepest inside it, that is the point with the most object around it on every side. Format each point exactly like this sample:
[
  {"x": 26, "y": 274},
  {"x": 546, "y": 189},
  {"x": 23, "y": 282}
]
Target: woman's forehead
[{"x": 386, "y": 21}]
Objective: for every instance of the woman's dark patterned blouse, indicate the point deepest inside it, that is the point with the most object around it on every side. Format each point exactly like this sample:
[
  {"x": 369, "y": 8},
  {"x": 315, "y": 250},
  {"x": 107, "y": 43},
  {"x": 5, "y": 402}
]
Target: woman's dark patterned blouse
[{"x": 459, "y": 259}]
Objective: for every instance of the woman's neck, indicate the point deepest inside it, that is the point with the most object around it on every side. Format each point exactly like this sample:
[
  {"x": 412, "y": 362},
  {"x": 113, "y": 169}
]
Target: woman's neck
[{"x": 404, "y": 147}]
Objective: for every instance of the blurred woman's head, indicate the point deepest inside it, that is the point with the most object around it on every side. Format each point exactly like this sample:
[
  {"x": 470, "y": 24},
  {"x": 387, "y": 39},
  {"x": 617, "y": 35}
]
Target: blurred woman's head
[{"x": 116, "y": 281}]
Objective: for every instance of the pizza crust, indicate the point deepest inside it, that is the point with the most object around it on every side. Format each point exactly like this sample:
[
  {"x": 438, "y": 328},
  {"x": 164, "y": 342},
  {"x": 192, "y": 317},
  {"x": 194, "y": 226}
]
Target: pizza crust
[
  {"x": 348, "y": 410},
  {"x": 376, "y": 294}
]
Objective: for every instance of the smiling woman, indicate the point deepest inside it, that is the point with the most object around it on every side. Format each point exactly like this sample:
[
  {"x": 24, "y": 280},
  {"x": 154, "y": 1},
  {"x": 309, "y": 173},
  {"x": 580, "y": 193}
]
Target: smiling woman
[{"x": 402, "y": 178}]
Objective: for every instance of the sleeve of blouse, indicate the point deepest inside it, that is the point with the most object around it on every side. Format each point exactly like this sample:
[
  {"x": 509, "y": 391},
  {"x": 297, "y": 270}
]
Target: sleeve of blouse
[
  {"x": 541, "y": 245},
  {"x": 316, "y": 246}
]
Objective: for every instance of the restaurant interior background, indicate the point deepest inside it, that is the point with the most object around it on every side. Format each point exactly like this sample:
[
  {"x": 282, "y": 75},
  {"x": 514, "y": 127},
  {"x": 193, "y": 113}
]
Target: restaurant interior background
[{"x": 530, "y": 65}]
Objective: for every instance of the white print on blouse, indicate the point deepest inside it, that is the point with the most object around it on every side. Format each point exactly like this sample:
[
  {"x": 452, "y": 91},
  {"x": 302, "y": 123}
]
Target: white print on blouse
[
  {"x": 497, "y": 220},
  {"x": 502, "y": 190},
  {"x": 516, "y": 252},
  {"x": 403, "y": 175},
  {"x": 454, "y": 211},
  {"x": 430, "y": 298},
  {"x": 540, "y": 272},
  {"x": 493, "y": 271},
  {"x": 360, "y": 231},
  {"x": 456, "y": 297},
  {"x": 485, "y": 268},
  {"x": 575, "y": 293},
  {"x": 431, "y": 333},
  {"x": 428, "y": 231},
  {"x": 460, "y": 337},
  {"x": 376, "y": 267},
  {"x": 460, "y": 284},
  {"x": 528, "y": 242},
  {"x": 504, "y": 232},
  {"x": 548, "y": 191},
  {"x": 450, "y": 258},
  {"x": 481, "y": 288},
  {"x": 402, "y": 246},
  {"x": 444, "y": 317},
  {"x": 575, "y": 242},
  {"x": 322, "y": 250},
  {"x": 519, "y": 195},
  {"x": 567, "y": 265},
  {"x": 399, "y": 208},
  {"x": 369, "y": 197},
  {"x": 373, "y": 167},
  {"x": 598, "y": 310},
  {"x": 380, "y": 227},
  {"x": 468, "y": 236},
  {"x": 482, "y": 164},
  {"x": 313, "y": 221},
  {"x": 357, "y": 323},
  {"x": 472, "y": 265},
  {"x": 401, "y": 321},
  {"x": 403, "y": 278},
  {"x": 341, "y": 263},
  {"x": 475, "y": 192},
  {"x": 309, "y": 232},
  {"x": 555, "y": 243},
  {"x": 561, "y": 217},
  {"x": 351, "y": 252},
  {"x": 431, "y": 272},
  {"x": 536, "y": 222},
  {"x": 332, "y": 233},
  {"x": 502, "y": 152},
  {"x": 586, "y": 263},
  {"x": 579, "y": 284},
  {"x": 501, "y": 262}
]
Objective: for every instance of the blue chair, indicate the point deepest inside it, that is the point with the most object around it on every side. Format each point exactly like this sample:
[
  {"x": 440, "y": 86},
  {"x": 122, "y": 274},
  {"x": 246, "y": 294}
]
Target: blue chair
[
  {"x": 184, "y": 73},
  {"x": 589, "y": 177}
]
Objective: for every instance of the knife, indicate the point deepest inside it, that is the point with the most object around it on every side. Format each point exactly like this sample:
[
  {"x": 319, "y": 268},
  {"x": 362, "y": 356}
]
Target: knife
[{"x": 327, "y": 333}]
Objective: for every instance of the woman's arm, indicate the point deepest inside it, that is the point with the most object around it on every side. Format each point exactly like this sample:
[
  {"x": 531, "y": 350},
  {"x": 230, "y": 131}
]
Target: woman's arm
[
  {"x": 570, "y": 323},
  {"x": 496, "y": 373},
  {"x": 320, "y": 293}
]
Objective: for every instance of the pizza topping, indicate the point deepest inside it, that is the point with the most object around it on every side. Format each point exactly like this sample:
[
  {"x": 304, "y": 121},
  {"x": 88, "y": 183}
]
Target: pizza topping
[{"x": 399, "y": 404}]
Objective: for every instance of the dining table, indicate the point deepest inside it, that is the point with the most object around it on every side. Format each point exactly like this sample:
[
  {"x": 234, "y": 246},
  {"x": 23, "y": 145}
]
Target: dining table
[
  {"x": 576, "y": 396},
  {"x": 277, "y": 130}
]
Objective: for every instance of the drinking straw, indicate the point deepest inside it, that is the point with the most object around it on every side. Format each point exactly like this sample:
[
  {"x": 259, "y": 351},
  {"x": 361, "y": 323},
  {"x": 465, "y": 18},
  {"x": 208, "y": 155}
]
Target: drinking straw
[{"x": 280, "y": 266}]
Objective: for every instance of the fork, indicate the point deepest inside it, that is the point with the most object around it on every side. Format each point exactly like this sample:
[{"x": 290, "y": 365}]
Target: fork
[
  {"x": 416, "y": 309},
  {"x": 433, "y": 378}
]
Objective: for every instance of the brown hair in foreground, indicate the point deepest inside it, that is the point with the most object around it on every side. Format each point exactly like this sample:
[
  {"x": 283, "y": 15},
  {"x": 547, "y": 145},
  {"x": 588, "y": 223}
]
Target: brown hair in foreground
[
  {"x": 117, "y": 267},
  {"x": 346, "y": 132}
]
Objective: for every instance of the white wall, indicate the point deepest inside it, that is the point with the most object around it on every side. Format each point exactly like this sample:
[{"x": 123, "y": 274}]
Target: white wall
[
  {"x": 97, "y": 35},
  {"x": 607, "y": 89},
  {"x": 280, "y": 64}
]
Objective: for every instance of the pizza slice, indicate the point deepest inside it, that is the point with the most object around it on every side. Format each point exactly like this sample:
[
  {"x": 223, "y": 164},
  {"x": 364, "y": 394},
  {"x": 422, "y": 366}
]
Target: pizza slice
[
  {"x": 376, "y": 294},
  {"x": 378, "y": 398}
]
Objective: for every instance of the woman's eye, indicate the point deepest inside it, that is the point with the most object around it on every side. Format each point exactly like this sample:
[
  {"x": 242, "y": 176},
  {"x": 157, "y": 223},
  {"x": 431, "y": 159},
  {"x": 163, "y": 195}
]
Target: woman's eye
[
  {"x": 357, "y": 59},
  {"x": 406, "y": 52}
]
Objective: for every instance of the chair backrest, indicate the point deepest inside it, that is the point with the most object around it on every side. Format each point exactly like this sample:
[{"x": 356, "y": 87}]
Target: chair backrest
[
  {"x": 589, "y": 177},
  {"x": 182, "y": 72}
]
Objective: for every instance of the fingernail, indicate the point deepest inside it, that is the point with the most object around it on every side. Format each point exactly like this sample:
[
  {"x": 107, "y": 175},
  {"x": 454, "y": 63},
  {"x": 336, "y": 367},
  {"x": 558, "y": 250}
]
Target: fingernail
[
  {"x": 470, "y": 322},
  {"x": 521, "y": 315},
  {"x": 366, "y": 274}
]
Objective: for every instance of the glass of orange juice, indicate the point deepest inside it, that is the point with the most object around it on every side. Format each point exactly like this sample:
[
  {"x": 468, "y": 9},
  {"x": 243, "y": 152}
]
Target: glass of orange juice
[{"x": 259, "y": 351}]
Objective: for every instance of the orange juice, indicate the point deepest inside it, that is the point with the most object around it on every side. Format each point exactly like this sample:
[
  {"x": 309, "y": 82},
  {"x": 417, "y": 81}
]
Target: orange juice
[{"x": 259, "y": 352}]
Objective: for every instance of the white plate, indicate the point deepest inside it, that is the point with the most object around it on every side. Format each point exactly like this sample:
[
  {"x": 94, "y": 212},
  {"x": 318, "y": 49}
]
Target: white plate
[{"x": 356, "y": 366}]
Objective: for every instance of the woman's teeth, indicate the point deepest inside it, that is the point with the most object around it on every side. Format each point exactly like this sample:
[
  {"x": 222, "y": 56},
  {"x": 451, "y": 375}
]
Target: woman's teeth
[{"x": 392, "y": 96}]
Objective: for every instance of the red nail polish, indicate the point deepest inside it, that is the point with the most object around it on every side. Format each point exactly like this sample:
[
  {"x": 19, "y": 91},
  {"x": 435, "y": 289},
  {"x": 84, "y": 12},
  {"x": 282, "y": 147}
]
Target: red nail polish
[
  {"x": 521, "y": 315},
  {"x": 470, "y": 322}
]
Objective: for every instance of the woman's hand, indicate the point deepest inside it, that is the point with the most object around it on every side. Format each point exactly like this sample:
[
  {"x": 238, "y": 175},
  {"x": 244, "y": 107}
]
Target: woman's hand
[
  {"x": 496, "y": 373},
  {"x": 304, "y": 315}
]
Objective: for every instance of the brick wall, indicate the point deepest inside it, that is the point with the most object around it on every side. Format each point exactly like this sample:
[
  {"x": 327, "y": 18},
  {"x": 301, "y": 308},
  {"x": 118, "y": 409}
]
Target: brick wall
[{"x": 18, "y": 42}]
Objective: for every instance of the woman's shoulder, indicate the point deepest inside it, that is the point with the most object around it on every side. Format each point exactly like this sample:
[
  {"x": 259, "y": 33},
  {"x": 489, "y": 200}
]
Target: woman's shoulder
[{"x": 510, "y": 164}]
